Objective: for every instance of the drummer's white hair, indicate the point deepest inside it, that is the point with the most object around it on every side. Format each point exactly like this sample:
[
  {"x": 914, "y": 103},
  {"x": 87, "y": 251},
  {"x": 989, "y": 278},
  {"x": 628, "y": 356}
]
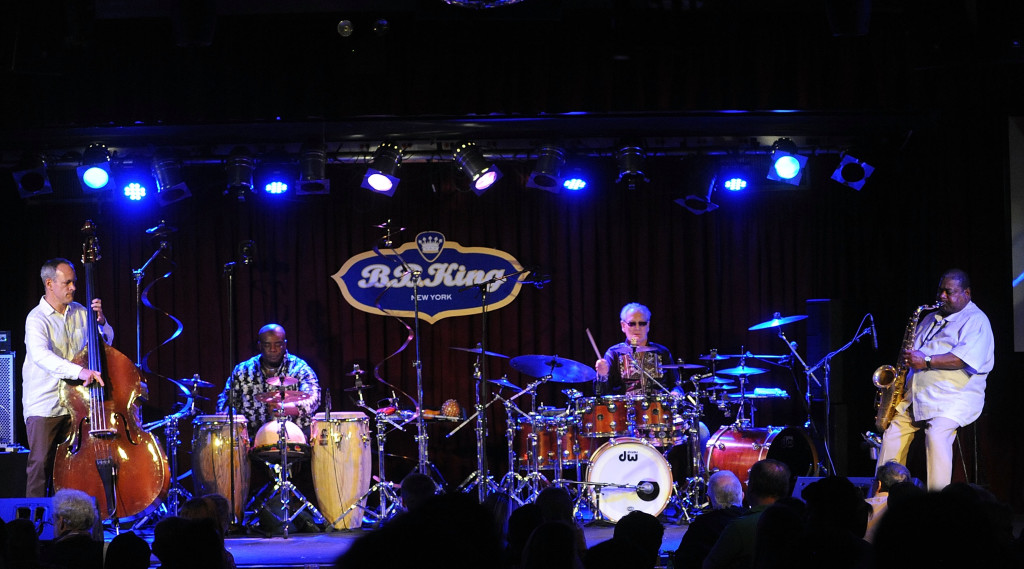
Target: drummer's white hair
[{"x": 634, "y": 307}]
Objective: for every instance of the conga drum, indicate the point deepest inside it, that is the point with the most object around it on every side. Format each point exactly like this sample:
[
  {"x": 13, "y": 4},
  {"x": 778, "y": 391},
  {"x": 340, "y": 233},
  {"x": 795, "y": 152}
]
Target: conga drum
[
  {"x": 341, "y": 465},
  {"x": 211, "y": 458}
]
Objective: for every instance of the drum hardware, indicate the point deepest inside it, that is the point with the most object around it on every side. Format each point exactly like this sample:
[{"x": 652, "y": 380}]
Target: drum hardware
[
  {"x": 388, "y": 499},
  {"x": 283, "y": 488},
  {"x": 778, "y": 321}
]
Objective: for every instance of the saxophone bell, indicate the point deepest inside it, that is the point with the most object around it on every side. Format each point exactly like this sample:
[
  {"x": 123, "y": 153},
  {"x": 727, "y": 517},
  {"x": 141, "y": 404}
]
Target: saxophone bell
[{"x": 883, "y": 376}]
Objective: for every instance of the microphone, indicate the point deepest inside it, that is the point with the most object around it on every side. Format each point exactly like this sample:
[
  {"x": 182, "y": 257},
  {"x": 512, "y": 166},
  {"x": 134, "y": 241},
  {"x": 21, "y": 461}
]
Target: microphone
[{"x": 874, "y": 334}]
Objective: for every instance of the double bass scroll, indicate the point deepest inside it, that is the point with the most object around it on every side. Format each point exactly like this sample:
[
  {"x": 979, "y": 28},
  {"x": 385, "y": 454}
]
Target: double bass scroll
[{"x": 108, "y": 454}]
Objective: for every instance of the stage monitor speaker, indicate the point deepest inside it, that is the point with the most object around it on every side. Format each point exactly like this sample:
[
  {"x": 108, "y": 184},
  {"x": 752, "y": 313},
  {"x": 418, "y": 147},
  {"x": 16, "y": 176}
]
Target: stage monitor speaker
[
  {"x": 863, "y": 483},
  {"x": 39, "y": 510},
  {"x": 7, "y": 414}
]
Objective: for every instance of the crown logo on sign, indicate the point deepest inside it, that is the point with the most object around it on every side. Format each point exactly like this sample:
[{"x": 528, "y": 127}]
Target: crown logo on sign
[{"x": 430, "y": 244}]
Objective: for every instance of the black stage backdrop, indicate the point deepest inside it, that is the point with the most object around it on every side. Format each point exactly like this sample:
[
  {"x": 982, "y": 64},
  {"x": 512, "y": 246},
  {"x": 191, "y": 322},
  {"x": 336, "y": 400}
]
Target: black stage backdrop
[{"x": 706, "y": 278}]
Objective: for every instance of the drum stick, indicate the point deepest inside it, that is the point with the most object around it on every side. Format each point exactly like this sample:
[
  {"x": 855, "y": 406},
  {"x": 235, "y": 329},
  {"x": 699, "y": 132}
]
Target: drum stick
[{"x": 593, "y": 343}]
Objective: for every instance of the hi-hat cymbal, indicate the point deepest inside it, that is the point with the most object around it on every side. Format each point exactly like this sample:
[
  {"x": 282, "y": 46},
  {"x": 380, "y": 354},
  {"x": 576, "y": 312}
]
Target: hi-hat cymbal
[
  {"x": 479, "y": 350},
  {"x": 714, "y": 358},
  {"x": 742, "y": 370},
  {"x": 505, "y": 383},
  {"x": 777, "y": 320},
  {"x": 282, "y": 381},
  {"x": 560, "y": 370},
  {"x": 715, "y": 380},
  {"x": 283, "y": 398},
  {"x": 195, "y": 382},
  {"x": 682, "y": 366}
]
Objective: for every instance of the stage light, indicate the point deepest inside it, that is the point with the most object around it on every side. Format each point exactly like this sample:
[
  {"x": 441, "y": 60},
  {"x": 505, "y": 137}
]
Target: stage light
[
  {"x": 468, "y": 157},
  {"x": 630, "y": 160},
  {"x": 312, "y": 170},
  {"x": 698, "y": 204},
  {"x": 170, "y": 184},
  {"x": 852, "y": 172},
  {"x": 574, "y": 183},
  {"x": 547, "y": 172},
  {"x": 134, "y": 191},
  {"x": 786, "y": 165},
  {"x": 31, "y": 177},
  {"x": 735, "y": 174},
  {"x": 735, "y": 184},
  {"x": 380, "y": 176},
  {"x": 275, "y": 174},
  {"x": 239, "y": 168},
  {"x": 94, "y": 173}
]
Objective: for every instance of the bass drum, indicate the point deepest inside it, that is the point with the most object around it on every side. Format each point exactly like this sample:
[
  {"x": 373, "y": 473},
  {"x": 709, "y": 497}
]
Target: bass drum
[
  {"x": 341, "y": 465},
  {"x": 211, "y": 458},
  {"x": 738, "y": 449},
  {"x": 635, "y": 463}
]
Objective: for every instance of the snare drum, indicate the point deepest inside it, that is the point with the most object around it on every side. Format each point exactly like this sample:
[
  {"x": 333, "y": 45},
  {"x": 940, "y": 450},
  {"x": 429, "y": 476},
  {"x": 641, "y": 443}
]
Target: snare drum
[
  {"x": 603, "y": 416},
  {"x": 341, "y": 465},
  {"x": 265, "y": 447},
  {"x": 574, "y": 449},
  {"x": 738, "y": 449},
  {"x": 637, "y": 465},
  {"x": 211, "y": 458}
]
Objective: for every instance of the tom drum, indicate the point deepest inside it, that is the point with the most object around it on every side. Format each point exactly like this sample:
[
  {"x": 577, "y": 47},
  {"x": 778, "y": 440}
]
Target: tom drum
[
  {"x": 212, "y": 446},
  {"x": 574, "y": 449},
  {"x": 603, "y": 416}
]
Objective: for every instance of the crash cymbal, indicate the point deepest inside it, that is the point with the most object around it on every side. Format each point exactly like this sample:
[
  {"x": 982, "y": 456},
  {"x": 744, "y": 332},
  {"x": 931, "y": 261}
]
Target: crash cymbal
[
  {"x": 715, "y": 357},
  {"x": 682, "y": 366},
  {"x": 742, "y": 370},
  {"x": 560, "y": 370},
  {"x": 478, "y": 350},
  {"x": 777, "y": 320},
  {"x": 195, "y": 382},
  {"x": 281, "y": 381},
  {"x": 283, "y": 398},
  {"x": 505, "y": 383}
]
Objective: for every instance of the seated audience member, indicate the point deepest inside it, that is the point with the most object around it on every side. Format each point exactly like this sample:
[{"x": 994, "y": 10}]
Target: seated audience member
[
  {"x": 206, "y": 508},
  {"x": 837, "y": 516},
  {"x": 521, "y": 524},
  {"x": 940, "y": 529},
  {"x": 21, "y": 545},
  {"x": 74, "y": 526},
  {"x": 127, "y": 551},
  {"x": 181, "y": 543},
  {"x": 726, "y": 495},
  {"x": 780, "y": 538},
  {"x": 416, "y": 488},
  {"x": 556, "y": 506},
  {"x": 552, "y": 546},
  {"x": 447, "y": 530},
  {"x": 501, "y": 507},
  {"x": 734, "y": 549},
  {"x": 887, "y": 476},
  {"x": 614, "y": 553},
  {"x": 646, "y": 532}
]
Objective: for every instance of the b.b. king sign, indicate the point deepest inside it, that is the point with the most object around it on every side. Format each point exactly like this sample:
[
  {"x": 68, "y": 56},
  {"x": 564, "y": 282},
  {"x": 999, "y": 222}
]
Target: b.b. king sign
[{"x": 450, "y": 283}]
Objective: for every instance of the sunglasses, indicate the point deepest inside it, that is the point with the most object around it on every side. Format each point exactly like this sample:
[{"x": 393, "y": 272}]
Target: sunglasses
[{"x": 632, "y": 324}]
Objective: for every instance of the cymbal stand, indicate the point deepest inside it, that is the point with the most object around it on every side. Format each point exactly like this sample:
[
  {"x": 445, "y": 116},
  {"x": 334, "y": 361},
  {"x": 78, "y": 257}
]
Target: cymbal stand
[
  {"x": 388, "y": 500},
  {"x": 808, "y": 372},
  {"x": 283, "y": 486},
  {"x": 512, "y": 483}
]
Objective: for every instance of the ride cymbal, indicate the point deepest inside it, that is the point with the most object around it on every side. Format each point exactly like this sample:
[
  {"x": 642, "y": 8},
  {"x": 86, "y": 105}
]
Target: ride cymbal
[
  {"x": 777, "y": 320},
  {"x": 682, "y": 366},
  {"x": 742, "y": 370},
  {"x": 479, "y": 350},
  {"x": 560, "y": 370}
]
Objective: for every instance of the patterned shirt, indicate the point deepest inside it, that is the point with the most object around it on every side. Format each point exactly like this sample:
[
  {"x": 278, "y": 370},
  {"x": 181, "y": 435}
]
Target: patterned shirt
[
  {"x": 249, "y": 382},
  {"x": 625, "y": 375}
]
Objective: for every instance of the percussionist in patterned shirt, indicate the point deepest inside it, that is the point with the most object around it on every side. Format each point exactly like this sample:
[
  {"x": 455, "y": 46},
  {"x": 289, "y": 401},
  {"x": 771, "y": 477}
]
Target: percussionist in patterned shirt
[{"x": 265, "y": 372}]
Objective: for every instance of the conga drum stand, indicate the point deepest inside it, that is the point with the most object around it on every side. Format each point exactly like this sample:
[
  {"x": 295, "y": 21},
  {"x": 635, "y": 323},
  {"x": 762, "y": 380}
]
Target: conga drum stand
[{"x": 388, "y": 504}]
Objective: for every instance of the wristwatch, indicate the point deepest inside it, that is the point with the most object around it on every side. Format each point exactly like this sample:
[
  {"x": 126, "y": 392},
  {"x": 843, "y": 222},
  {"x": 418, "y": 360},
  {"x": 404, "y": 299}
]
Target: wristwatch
[{"x": 928, "y": 362}]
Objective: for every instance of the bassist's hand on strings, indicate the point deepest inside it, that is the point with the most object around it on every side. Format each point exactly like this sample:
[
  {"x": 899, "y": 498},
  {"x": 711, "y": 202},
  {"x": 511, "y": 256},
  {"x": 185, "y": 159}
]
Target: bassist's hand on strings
[
  {"x": 97, "y": 307},
  {"x": 88, "y": 376}
]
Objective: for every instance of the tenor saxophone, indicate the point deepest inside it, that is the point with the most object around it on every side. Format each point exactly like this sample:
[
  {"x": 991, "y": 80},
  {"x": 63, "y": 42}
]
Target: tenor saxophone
[{"x": 891, "y": 381}]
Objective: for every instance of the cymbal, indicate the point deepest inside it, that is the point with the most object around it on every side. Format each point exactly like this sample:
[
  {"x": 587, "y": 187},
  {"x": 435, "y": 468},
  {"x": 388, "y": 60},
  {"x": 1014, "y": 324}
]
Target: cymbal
[
  {"x": 356, "y": 372},
  {"x": 759, "y": 356},
  {"x": 560, "y": 370},
  {"x": 195, "y": 382},
  {"x": 715, "y": 357},
  {"x": 479, "y": 350},
  {"x": 777, "y": 320},
  {"x": 283, "y": 399},
  {"x": 742, "y": 370},
  {"x": 682, "y": 366},
  {"x": 715, "y": 380},
  {"x": 505, "y": 383},
  {"x": 281, "y": 381},
  {"x": 723, "y": 387}
]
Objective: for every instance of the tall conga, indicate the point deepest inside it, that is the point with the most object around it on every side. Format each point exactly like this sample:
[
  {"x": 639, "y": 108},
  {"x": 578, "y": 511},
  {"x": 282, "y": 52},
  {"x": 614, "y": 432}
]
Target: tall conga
[
  {"x": 341, "y": 465},
  {"x": 211, "y": 458}
]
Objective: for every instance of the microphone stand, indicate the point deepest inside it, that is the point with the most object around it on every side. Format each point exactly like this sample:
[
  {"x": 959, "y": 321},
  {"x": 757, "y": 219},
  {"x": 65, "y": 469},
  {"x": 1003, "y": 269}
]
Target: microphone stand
[{"x": 808, "y": 372}]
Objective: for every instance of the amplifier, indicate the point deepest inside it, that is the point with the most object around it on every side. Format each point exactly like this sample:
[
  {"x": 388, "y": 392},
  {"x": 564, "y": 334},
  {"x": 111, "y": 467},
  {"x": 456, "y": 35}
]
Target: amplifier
[
  {"x": 5, "y": 341},
  {"x": 7, "y": 414}
]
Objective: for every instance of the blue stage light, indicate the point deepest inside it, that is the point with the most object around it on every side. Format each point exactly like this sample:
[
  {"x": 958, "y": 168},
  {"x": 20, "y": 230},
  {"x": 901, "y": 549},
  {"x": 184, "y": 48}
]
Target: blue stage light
[
  {"x": 135, "y": 191},
  {"x": 94, "y": 173},
  {"x": 735, "y": 184},
  {"x": 574, "y": 184},
  {"x": 276, "y": 187},
  {"x": 786, "y": 165},
  {"x": 96, "y": 177}
]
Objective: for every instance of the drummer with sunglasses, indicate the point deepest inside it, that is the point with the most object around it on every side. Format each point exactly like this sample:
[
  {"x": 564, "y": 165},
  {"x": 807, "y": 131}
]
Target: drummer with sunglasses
[{"x": 633, "y": 367}]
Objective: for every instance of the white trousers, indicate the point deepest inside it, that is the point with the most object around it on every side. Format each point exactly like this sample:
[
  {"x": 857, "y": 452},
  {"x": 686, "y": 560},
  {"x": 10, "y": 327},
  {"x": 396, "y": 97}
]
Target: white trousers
[{"x": 939, "y": 433}]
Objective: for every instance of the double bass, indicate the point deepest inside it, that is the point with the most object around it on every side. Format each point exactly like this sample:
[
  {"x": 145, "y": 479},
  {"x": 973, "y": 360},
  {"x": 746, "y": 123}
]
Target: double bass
[{"x": 107, "y": 454}]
